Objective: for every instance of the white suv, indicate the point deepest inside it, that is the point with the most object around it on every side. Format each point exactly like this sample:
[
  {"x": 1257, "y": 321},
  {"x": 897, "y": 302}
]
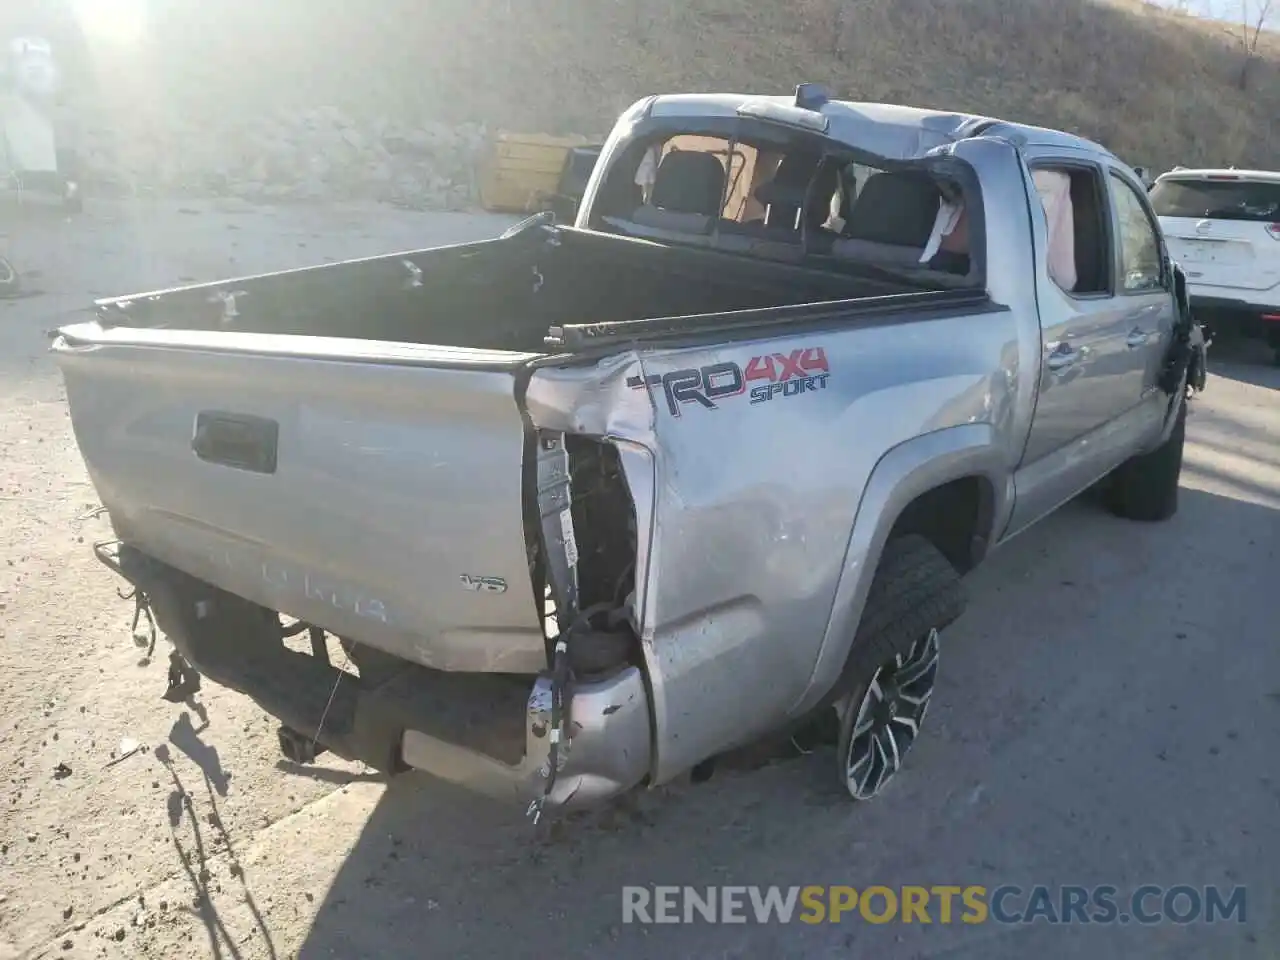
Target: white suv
[{"x": 1223, "y": 227}]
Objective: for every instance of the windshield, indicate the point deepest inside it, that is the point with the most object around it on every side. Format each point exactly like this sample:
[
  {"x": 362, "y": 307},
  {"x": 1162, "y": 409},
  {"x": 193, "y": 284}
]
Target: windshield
[{"x": 1249, "y": 200}]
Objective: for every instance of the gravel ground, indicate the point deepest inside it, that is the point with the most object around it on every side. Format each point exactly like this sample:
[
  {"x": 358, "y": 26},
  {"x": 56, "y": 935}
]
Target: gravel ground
[{"x": 1106, "y": 714}]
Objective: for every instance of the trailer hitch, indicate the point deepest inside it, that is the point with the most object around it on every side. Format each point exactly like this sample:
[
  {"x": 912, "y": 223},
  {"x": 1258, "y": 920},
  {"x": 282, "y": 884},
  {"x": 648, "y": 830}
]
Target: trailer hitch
[{"x": 183, "y": 680}]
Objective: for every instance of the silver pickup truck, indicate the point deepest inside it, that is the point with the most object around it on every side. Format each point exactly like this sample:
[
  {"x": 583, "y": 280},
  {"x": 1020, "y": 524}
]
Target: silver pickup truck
[{"x": 587, "y": 507}]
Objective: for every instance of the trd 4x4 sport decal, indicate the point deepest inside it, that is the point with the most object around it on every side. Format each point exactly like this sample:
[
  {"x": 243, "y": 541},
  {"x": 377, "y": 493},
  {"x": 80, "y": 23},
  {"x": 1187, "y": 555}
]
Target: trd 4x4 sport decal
[{"x": 782, "y": 375}]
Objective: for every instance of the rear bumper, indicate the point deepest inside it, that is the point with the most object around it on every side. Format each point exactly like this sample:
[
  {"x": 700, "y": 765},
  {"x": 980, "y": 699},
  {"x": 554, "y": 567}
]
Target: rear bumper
[
  {"x": 607, "y": 752},
  {"x": 489, "y": 733}
]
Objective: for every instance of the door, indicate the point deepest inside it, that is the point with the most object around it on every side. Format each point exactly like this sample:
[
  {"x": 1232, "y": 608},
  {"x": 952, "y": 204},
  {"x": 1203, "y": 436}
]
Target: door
[
  {"x": 1145, "y": 289},
  {"x": 1084, "y": 363},
  {"x": 1088, "y": 378}
]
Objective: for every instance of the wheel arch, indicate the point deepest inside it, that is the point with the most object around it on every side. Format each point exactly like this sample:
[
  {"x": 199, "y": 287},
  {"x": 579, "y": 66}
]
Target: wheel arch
[
  {"x": 952, "y": 486},
  {"x": 955, "y": 516}
]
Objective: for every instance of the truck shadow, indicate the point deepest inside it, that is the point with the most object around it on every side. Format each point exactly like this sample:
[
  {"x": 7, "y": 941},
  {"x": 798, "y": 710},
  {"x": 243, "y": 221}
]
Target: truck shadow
[
  {"x": 326, "y": 774},
  {"x": 1023, "y": 773},
  {"x": 186, "y": 738},
  {"x": 1245, "y": 361},
  {"x": 194, "y": 849}
]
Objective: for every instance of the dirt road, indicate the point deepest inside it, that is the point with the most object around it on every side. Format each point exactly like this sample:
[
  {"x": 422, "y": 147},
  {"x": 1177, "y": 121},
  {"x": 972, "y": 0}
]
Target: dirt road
[{"x": 1107, "y": 714}]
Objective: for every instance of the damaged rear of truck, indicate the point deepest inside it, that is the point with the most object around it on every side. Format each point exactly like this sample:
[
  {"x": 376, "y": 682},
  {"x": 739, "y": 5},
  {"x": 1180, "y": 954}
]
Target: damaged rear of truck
[{"x": 584, "y": 507}]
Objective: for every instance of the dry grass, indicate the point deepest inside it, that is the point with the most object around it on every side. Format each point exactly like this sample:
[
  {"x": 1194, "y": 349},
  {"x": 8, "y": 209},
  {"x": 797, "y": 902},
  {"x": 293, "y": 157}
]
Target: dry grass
[{"x": 1158, "y": 88}]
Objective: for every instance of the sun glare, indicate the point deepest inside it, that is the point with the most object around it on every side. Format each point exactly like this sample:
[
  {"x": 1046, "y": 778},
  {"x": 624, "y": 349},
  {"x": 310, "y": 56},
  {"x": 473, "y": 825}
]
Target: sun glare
[{"x": 113, "y": 21}]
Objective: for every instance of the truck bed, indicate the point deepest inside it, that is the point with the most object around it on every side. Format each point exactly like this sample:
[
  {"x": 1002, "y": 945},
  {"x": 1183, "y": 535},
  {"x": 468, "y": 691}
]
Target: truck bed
[
  {"x": 501, "y": 294},
  {"x": 347, "y": 444}
]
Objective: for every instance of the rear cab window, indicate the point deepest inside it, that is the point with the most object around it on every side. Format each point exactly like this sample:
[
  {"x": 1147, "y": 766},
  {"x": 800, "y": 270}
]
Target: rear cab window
[
  {"x": 1224, "y": 225},
  {"x": 768, "y": 191},
  {"x": 1228, "y": 198}
]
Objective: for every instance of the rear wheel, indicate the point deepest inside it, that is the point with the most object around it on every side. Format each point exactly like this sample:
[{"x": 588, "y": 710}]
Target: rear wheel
[
  {"x": 1145, "y": 487},
  {"x": 892, "y": 668},
  {"x": 877, "y": 731}
]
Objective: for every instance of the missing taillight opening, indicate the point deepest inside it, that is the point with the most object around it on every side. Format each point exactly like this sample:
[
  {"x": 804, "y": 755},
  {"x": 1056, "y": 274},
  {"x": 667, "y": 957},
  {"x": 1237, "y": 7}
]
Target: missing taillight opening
[
  {"x": 604, "y": 519},
  {"x": 588, "y": 549}
]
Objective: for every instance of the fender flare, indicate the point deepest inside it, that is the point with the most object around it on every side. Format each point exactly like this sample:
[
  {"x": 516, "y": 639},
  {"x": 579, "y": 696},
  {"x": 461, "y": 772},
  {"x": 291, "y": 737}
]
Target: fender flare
[{"x": 905, "y": 472}]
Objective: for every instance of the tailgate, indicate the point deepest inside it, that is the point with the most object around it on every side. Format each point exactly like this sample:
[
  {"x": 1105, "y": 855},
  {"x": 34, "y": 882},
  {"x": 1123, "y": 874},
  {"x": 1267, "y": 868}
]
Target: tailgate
[
  {"x": 1223, "y": 253},
  {"x": 1223, "y": 226},
  {"x": 373, "y": 489}
]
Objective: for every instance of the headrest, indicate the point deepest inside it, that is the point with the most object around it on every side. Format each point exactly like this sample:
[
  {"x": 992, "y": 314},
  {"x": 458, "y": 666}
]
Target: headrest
[
  {"x": 790, "y": 181},
  {"x": 896, "y": 207},
  {"x": 689, "y": 181}
]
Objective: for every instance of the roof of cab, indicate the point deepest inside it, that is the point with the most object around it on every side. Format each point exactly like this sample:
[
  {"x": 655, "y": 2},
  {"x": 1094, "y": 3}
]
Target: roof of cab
[{"x": 886, "y": 129}]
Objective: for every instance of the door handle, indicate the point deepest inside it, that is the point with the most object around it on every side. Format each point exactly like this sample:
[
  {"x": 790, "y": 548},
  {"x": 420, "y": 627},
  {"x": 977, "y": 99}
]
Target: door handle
[
  {"x": 234, "y": 440},
  {"x": 1062, "y": 356},
  {"x": 1137, "y": 338}
]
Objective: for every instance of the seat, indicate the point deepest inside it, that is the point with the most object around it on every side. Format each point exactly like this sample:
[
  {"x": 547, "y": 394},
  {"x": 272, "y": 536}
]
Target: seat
[
  {"x": 799, "y": 178},
  {"x": 826, "y": 183},
  {"x": 784, "y": 195},
  {"x": 688, "y": 189},
  {"x": 892, "y": 219}
]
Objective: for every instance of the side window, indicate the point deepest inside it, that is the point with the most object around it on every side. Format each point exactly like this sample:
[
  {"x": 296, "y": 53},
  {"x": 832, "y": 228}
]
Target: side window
[
  {"x": 1079, "y": 250},
  {"x": 1140, "y": 268}
]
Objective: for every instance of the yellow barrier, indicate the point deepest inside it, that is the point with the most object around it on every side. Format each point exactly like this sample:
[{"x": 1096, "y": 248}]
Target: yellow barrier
[{"x": 524, "y": 171}]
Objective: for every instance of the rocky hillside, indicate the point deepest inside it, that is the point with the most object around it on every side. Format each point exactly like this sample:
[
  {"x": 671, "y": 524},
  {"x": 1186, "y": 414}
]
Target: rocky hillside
[{"x": 393, "y": 98}]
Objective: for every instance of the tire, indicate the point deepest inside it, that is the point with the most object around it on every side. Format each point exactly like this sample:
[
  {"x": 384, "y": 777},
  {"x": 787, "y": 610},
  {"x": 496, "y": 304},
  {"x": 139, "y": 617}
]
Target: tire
[
  {"x": 1145, "y": 488},
  {"x": 10, "y": 284},
  {"x": 888, "y": 682}
]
